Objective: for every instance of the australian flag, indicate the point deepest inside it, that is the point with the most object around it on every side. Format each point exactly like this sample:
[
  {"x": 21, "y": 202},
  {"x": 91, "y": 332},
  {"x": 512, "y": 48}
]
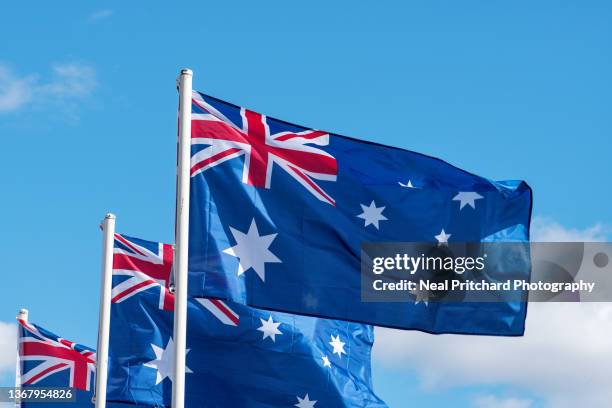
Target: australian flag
[
  {"x": 278, "y": 214},
  {"x": 49, "y": 361},
  {"x": 237, "y": 356}
]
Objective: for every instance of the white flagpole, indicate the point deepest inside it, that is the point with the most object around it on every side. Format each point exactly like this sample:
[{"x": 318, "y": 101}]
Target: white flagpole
[
  {"x": 22, "y": 315},
  {"x": 108, "y": 230},
  {"x": 181, "y": 238}
]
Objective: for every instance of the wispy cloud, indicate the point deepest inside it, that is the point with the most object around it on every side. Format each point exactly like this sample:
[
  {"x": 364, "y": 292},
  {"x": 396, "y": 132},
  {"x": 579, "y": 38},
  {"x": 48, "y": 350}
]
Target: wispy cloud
[
  {"x": 564, "y": 356},
  {"x": 70, "y": 81},
  {"x": 14, "y": 91},
  {"x": 544, "y": 229},
  {"x": 492, "y": 401},
  {"x": 66, "y": 84},
  {"x": 101, "y": 14},
  {"x": 8, "y": 348}
]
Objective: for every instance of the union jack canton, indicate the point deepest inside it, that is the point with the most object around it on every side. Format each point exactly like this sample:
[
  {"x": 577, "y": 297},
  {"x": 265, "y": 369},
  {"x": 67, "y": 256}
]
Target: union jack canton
[
  {"x": 140, "y": 265},
  {"x": 229, "y": 137},
  {"x": 46, "y": 356}
]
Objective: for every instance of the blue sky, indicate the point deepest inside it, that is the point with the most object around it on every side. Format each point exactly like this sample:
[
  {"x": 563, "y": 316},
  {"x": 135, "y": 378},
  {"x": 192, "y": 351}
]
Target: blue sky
[{"x": 516, "y": 90}]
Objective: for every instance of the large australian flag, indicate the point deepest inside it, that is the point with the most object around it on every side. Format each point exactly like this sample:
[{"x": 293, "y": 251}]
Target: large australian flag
[
  {"x": 237, "y": 356},
  {"x": 278, "y": 213}
]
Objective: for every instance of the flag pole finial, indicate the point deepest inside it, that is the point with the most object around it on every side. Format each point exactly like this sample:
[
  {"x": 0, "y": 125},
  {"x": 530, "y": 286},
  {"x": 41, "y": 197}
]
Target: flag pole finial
[
  {"x": 23, "y": 314},
  {"x": 185, "y": 72}
]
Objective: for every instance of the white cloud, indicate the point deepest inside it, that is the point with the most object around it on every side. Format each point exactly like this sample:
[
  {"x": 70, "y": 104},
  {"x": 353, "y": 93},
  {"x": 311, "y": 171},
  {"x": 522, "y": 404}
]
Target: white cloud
[
  {"x": 14, "y": 92},
  {"x": 68, "y": 83},
  {"x": 544, "y": 229},
  {"x": 101, "y": 14},
  {"x": 491, "y": 401},
  {"x": 8, "y": 348},
  {"x": 565, "y": 355}
]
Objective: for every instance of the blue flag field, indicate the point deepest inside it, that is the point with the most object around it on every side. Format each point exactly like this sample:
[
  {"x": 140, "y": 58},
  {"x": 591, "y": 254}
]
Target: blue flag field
[{"x": 278, "y": 213}]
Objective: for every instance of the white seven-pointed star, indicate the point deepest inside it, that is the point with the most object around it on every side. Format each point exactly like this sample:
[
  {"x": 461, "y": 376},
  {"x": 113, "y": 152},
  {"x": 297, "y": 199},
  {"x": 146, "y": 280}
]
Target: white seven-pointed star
[
  {"x": 372, "y": 214},
  {"x": 337, "y": 345},
  {"x": 305, "y": 402},
  {"x": 164, "y": 362},
  {"x": 467, "y": 198},
  {"x": 407, "y": 185},
  {"x": 252, "y": 251},
  {"x": 269, "y": 328},
  {"x": 443, "y": 237},
  {"x": 326, "y": 362}
]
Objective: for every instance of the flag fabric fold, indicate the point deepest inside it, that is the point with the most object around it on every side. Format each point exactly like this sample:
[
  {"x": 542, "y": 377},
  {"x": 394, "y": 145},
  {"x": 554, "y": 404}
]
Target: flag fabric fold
[
  {"x": 278, "y": 213},
  {"x": 237, "y": 355}
]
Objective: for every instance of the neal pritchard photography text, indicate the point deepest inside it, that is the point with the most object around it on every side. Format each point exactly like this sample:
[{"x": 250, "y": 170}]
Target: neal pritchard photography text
[{"x": 481, "y": 272}]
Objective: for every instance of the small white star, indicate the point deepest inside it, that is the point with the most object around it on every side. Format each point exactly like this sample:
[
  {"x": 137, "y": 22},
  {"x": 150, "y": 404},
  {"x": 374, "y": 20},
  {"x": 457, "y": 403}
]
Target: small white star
[
  {"x": 420, "y": 296},
  {"x": 372, "y": 214},
  {"x": 252, "y": 251},
  {"x": 467, "y": 198},
  {"x": 407, "y": 185},
  {"x": 269, "y": 328},
  {"x": 326, "y": 362},
  {"x": 443, "y": 237},
  {"x": 337, "y": 345},
  {"x": 164, "y": 362},
  {"x": 305, "y": 402}
]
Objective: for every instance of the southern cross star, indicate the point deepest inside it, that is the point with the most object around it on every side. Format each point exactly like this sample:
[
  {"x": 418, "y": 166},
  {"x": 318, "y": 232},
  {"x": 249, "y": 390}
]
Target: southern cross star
[
  {"x": 467, "y": 198},
  {"x": 420, "y": 296},
  {"x": 407, "y": 185},
  {"x": 443, "y": 237}
]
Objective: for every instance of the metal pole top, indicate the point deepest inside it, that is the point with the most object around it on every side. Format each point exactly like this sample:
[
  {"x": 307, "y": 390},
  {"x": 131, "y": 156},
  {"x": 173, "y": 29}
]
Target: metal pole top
[
  {"x": 184, "y": 72},
  {"x": 23, "y": 315}
]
